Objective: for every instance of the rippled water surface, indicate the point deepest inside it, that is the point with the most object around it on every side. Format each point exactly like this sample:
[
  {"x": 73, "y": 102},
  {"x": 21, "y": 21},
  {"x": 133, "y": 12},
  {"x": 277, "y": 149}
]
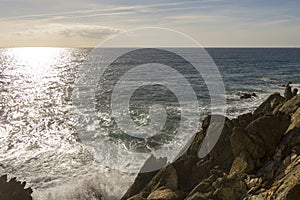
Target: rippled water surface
[{"x": 38, "y": 138}]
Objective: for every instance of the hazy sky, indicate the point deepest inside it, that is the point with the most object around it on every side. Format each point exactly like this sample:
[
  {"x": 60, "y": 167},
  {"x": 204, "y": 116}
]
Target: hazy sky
[{"x": 79, "y": 23}]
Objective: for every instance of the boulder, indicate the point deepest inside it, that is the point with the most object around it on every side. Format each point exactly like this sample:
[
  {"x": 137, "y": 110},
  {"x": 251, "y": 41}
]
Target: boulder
[
  {"x": 295, "y": 120},
  {"x": 270, "y": 129},
  {"x": 166, "y": 177},
  {"x": 289, "y": 107},
  {"x": 288, "y": 93},
  {"x": 164, "y": 194},
  {"x": 242, "y": 164},
  {"x": 232, "y": 188},
  {"x": 269, "y": 105},
  {"x": 256, "y": 156}
]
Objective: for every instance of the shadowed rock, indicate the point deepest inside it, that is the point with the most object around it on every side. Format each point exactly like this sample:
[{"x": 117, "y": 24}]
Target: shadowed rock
[
  {"x": 255, "y": 157},
  {"x": 13, "y": 189}
]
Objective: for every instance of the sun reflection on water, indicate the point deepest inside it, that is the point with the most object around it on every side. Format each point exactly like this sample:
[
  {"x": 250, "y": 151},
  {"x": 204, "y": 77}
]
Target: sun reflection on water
[{"x": 36, "y": 62}]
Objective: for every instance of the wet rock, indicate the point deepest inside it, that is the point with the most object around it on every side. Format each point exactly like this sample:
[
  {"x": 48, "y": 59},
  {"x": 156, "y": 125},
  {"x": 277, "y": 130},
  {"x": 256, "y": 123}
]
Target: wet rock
[{"x": 246, "y": 95}]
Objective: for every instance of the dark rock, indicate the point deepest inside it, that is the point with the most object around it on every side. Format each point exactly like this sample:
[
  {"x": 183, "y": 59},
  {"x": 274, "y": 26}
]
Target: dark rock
[
  {"x": 246, "y": 95},
  {"x": 166, "y": 177},
  {"x": 288, "y": 93},
  {"x": 242, "y": 164},
  {"x": 139, "y": 184},
  {"x": 295, "y": 91},
  {"x": 294, "y": 193},
  {"x": 164, "y": 194},
  {"x": 232, "y": 188},
  {"x": 183, "y": 168},
  {"x": 289, "y": 107},
  {"x": 13, "y": 189},
  {"x": 269, "y": 129},
  {"x": 255, "y": 157},
  {"x": 269, "y": 105}
]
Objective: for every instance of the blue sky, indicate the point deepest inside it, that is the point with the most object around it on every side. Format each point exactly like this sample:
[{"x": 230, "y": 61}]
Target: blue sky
[{"x": 210, "y": 22}]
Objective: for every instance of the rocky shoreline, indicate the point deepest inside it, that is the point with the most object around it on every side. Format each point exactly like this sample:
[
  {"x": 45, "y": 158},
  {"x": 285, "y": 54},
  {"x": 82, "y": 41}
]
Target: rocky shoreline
[{"x": 256, "y": 157}]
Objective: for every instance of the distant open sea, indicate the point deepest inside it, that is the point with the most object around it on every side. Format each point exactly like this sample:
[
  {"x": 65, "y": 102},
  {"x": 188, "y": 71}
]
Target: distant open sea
[{"x": 38, "y": 139}]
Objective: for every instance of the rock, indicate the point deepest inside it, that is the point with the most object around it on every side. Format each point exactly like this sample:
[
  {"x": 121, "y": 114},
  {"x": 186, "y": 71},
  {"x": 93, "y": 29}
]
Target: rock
[
  {"x": 290, "y": 106},
  {"x": 139, "y": 184},
  {"x": 295, "y": 91},
  {"x": 269, "y": 105},
  {"x": 13, "y": 189},
  {"x": 200, "y": 172},
  {"x": 246, "y": 95},
  {"x": 183, "y": 168},
  {"x": 167, "y": 177},
  {"x": 199, "y": 196},
  {"x": 233, "y": 188},
  {"x": 140, "y": 196},
  {"x": 294, "y": 193},
  {"x": 295, "y": 120},
  {"x": 164, "y": 194},
  {"x": 288, "y": 93},
  {"x": 257, "y": 156},
  {"x": 242, "y": 164},
  {"x": 221, "y": 154},
  {"x": 269, "y": 129},
  {"x": 242, "y": 141}
]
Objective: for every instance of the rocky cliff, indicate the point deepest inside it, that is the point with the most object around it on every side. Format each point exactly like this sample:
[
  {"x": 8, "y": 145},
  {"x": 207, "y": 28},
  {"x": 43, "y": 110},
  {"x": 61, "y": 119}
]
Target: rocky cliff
[{"x": 256, "y": 157}]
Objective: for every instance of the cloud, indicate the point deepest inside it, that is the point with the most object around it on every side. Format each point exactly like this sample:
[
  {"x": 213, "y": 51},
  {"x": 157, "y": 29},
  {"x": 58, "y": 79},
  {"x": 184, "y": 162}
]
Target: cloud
[{"x": 82, "y": 31}]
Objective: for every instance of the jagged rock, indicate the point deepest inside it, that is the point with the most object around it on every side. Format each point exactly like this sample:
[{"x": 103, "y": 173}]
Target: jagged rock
[
  {"x": 269, "y": 105},
  {"x": 294, "y": 193},
  {"x": 295, "y": 92},
  {"x": 183, "y": 168},
  {"x": 167, "y": 177},
  {"x": 242, "y": 164},
  {"x": 139, "y": 184},
  {"x": 13, "y": 189},
  {"x": 295, "y": 120},
  {"x": 164, "y": 194},
  {"x": 288, "y": 92},
  {"x": 140, "y": 196},
  {"x": 269, "y": 129},
  {"x": 256, "y": 157},
  {"x": 232, "y": 188},
  {"x": 289, "y": 107}
]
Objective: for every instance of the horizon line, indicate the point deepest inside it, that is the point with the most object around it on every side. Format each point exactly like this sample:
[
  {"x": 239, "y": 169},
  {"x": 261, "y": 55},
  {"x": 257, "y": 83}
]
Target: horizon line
[{"x": 91, "y": 47}]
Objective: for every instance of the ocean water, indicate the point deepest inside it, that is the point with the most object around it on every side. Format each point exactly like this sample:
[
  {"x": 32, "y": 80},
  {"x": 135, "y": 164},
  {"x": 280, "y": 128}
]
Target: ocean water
[{"x": 39, "y": 136}]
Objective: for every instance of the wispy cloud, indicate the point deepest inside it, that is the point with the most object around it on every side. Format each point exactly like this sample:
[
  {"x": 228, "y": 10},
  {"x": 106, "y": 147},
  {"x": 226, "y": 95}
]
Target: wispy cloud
[
  {"x": 70, "y": 31},
  {"x": 112, "y": 11}
]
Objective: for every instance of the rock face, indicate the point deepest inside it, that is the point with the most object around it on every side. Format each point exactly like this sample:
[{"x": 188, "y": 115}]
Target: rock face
[
  {"x": 256, "y": 157},
  {"x": 13, "y": 189}
]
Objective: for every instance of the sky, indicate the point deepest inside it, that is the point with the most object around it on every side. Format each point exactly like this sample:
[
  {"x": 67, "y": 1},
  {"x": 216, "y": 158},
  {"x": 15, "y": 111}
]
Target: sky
[{"x": 212, "y": 23}]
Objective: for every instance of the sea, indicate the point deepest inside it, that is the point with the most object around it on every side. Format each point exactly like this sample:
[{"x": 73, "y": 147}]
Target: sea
[{"x": 41, "y": 140}]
